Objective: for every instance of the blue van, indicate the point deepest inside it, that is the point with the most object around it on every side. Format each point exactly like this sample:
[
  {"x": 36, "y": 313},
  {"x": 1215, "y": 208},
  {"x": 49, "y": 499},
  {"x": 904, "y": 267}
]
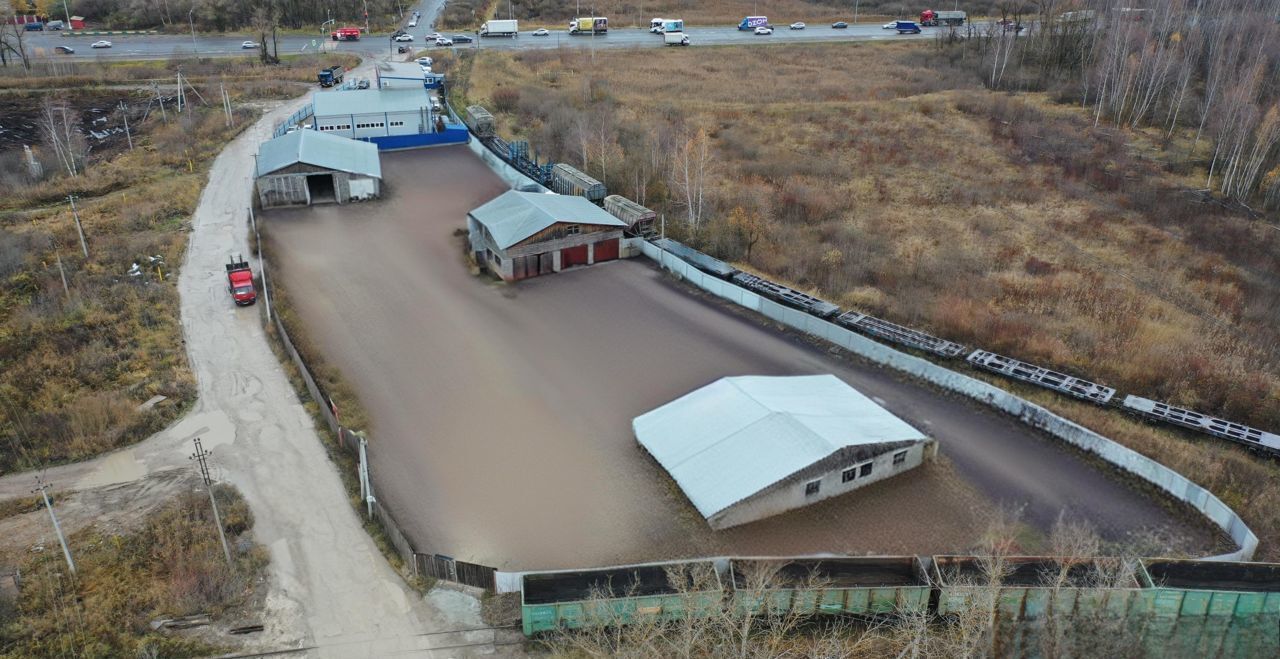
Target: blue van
[{"x": 908, "y": 27}]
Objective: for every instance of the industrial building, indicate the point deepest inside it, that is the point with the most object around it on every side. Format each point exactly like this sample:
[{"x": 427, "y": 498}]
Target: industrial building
[
  {"x": 405, "y": 75},
  {"x": 525, "y": 234},
  {"x": 392, "y": 118},
  {"x": 747, "y": 448},
  {"x": 309, "y": 167}
]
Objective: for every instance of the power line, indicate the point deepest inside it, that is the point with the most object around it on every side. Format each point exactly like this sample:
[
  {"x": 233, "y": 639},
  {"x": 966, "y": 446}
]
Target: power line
[
  {"x": 42, "y": 488},
  {"x": 201, "y": 457}
]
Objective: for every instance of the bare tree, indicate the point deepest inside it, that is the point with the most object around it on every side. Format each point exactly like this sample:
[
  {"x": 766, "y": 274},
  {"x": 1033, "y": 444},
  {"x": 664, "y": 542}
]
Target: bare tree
[
  {"x": 59, "y": 131},
  {"x": 691, "y": 168}
]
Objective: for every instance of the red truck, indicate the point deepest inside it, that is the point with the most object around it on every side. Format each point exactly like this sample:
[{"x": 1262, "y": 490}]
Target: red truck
[
  {"x": 240, "y": 281},
  {"x": 346, "y": 34}
]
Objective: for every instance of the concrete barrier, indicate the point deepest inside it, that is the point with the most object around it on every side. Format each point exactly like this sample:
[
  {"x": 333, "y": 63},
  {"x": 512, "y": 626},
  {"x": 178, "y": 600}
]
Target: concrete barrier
[{"x": 1171, "y": 482}]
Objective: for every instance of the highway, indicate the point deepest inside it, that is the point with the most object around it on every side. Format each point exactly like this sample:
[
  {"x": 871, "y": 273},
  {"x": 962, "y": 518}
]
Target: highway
[{"x": 165, "y": 46}]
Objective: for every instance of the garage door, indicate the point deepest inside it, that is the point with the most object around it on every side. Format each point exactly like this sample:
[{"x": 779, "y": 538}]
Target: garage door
[
  {"x": 606, "y": 250},
  {"x": 571, "y": 256}
]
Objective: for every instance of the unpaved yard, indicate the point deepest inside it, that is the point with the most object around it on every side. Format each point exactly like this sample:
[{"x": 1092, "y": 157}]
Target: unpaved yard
[{"x": 502, "y": 413}]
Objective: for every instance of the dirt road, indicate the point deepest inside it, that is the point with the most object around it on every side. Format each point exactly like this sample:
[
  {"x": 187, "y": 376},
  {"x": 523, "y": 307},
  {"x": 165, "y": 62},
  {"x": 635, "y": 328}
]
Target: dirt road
[
  {"x": 331, "y": 591},
  {"x": 502, "y": 413}
]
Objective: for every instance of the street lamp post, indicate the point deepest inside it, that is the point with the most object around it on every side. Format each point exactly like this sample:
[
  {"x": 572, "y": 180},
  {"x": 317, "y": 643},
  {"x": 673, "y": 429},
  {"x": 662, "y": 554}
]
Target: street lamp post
[{"x": 192, "y": 22}]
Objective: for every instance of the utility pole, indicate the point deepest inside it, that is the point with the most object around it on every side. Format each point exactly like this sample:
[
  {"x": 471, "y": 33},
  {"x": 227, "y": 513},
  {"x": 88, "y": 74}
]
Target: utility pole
[
  {"x": 84, "y": 246},
  {"x": 124, "y": 109},
  {"x": 855, "y": 12},
  {"x": 42, "y": 488},
  {"x": 65, "y": 289},
  {"x": 366, "y": 16},
  {"x": 192, "y": 21},
  {"x": 200, "y": 457}
]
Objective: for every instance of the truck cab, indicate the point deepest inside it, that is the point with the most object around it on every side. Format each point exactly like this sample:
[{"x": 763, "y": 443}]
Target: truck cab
[
  {"x": 655, "y": 26},
  {"x": 240, "y": 281}
]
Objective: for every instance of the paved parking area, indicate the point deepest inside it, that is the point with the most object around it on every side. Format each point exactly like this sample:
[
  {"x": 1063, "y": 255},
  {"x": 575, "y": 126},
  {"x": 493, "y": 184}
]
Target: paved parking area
[{"x": 502, "y": 413}]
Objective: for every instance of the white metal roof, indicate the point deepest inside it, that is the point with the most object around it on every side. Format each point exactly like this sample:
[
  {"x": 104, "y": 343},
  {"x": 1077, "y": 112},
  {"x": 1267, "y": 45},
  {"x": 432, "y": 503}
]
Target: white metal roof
[
  {"x": 736, "y": 436},
  {"x": 369, "y": 101},
  {"x": 321, "y": 150},
  {"x": 514, "y": 215}
]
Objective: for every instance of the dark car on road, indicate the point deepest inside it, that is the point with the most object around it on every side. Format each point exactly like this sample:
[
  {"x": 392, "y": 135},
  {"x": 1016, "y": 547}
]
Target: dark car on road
[
  {"x": 462, "y": 38},
  {"x": 839, "y": 25},
  {"x": 65, "y": 50}
]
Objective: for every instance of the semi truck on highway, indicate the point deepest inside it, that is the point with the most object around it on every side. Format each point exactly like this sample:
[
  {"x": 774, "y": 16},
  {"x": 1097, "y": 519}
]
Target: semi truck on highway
[
  {"x": 240, "y": 281},
  {"x": 503, "y": 28},
  {"x": 931, "y": 18},
  {"x": 330, "y": 76},
  {"x": 592, "y": 25},
  {"x": 345, "y": 34},
  {"x": 753, "y": 22}
]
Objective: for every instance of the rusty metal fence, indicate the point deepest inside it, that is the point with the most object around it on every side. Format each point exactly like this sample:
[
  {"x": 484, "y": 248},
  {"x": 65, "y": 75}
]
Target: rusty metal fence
[{"x": 436, "y": 566}]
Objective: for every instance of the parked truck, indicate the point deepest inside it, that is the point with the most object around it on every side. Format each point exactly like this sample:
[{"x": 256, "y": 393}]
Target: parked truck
[
  {"x": 345, "y": 34},
  {"x": 503, "y": 28},
  {"x": 480, "y": 121},
  {"x": 753, "y": 22},
  {"x": 330, "y": 76},
  {"x": 592, "y": 25},
  {"x": 931, "y": 18},
  {"x": 675, "y": 38},
  {"x": 240, "y": 281}
]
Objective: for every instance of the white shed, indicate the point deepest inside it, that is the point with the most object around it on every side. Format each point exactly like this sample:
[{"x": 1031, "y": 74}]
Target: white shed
[{"x": 746, "y": 448}]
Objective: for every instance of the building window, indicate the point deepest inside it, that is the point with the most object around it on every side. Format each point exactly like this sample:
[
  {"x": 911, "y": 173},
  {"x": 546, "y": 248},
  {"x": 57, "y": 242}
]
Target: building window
[
  {"x": 848, "y": 474},
  {"x": 899, "y": 457},
  {"x": 864, "y": 470},
  {"x": 572, "y": 230},
  {"x": 811, "y": 488}
]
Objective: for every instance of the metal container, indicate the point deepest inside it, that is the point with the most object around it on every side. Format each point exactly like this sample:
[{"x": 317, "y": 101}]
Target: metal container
[
  {"x": 1027, "y": 590},
  {"x": 1212, "y": 588},
  {"x": 865, "y": 585},
  {"x": 568, "y": 180},
  {"x": 639, "y": 219},
  {"x": 480, "y": 121},
  {"x": 618, "y": 595}
]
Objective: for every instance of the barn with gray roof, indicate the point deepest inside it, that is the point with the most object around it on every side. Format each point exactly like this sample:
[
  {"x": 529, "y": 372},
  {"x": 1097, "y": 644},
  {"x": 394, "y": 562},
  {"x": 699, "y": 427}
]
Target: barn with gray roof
[
  {"x": 309, "y": 167},
  {"x": 526, "y": 234}
]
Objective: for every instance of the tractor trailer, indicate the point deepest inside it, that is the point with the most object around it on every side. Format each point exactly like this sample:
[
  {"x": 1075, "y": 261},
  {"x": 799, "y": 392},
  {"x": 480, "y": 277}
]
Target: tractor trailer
[
  {"x": 931, "y": 18},
  {"x": 592, "y": 25},
  {"x": 503, "y": 28}
]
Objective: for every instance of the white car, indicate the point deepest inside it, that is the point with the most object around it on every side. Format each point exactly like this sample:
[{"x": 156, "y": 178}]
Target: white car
[
  {"x": 433, "y": 36},
  {"x": 541, "y": 32},
  {"x": 444, "y": 41},
  {"x": 764, "y": 30},
  {"x": 891, "y": 25},
  {"x": 798, "y": 25},
  {"x": 101, "y": 44},
  {"x": 424, "y": 61},
  {"x": 404, "y": 37},
  {"x": 248, "y": 44},
  {"x": 412, "y": 23}
]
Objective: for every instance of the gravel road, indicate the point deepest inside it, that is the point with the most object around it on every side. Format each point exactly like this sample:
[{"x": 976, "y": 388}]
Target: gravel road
[{"x": 502, "y": 412}]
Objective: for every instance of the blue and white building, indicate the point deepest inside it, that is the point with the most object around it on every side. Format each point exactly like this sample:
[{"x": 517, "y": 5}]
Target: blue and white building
[{"x": 400, "y": 116}]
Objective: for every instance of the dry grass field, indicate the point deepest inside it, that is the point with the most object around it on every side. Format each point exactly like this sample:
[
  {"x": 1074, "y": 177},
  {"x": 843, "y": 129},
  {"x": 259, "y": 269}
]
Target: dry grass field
[
  {"x": 881, "y": 178},
  {"x": 76, "y": 362}
]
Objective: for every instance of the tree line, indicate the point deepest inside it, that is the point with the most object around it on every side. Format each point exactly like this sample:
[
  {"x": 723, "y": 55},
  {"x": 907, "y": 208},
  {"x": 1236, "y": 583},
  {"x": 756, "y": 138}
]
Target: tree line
[
  {"x": 1204, "y": 72},
  {"x": 211, "y": 14}
]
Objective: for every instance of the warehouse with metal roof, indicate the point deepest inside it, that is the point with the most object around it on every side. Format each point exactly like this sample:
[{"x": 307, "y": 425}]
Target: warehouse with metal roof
[
  {"x": 308, "y": 167},
  {"x": 525, "y": 234},
  {"x": 747, "y": 448},
  {"x": 393, "y": 118}
]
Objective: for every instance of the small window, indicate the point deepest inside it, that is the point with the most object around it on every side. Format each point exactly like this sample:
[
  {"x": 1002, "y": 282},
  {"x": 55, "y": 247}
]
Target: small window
[
  {"x": 864, "y": 470},
  {"x": 572, "y": 230},
  {"x": 848, "y": 474},
  {"x": 899, "y": 457},
  {"x": 811, "y": 488}
]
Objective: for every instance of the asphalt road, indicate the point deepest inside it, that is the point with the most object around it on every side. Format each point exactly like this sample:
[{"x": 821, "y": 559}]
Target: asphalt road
[
  {"x": 502, "y": 413},
  {"x": 163, "y": 46}
]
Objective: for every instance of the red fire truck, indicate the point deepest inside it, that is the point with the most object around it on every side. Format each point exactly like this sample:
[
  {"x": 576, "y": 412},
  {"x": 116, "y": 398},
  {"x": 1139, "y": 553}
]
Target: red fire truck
[{"x": 346, "y": 34}]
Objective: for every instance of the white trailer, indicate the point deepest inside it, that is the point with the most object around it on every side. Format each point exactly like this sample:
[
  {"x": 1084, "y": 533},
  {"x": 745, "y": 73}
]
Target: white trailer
[
  {"x": 675, "y": 38},
  {"x": 503, "y": 28}
]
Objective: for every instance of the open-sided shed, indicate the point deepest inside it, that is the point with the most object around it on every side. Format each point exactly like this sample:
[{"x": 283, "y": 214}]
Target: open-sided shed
[{"x": 308, "y": 167}]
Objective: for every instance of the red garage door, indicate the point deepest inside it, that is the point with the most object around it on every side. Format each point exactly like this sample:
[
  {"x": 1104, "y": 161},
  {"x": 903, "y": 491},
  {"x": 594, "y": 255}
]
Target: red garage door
[
  {"x": 606, "y": 250},
  {"x": 571, "y": 256}
]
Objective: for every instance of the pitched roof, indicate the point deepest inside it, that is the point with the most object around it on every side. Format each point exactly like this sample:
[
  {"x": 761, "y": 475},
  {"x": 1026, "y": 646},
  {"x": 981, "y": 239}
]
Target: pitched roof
[
  {"x": 514, "y": 215},
  {"x": 737, "y": 436},
  {"x": 321, "y": 150},
  {"x": 369, "y": 101}
]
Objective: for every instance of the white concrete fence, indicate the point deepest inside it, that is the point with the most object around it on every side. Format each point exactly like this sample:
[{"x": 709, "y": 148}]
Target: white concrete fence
[{"x": 1169, "y": 481}]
